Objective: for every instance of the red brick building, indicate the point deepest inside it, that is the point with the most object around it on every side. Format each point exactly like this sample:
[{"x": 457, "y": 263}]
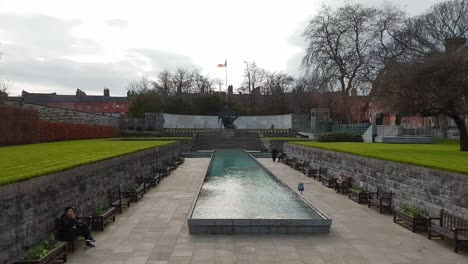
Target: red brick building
[{"x": 99, "y": 104}]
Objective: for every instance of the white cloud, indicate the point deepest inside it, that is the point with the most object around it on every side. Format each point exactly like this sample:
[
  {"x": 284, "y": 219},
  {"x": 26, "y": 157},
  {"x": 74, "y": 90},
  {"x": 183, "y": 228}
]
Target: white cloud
[{"x": 90, "y": 44}]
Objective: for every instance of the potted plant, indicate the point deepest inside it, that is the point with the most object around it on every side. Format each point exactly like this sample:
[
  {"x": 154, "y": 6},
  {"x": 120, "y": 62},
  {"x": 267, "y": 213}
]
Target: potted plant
[
  {"x": 358, "y": 194},
  {"x": 410, "y": 217},
  {"x": 100, "y": 217},
  {"x": 49, "y": 251}
]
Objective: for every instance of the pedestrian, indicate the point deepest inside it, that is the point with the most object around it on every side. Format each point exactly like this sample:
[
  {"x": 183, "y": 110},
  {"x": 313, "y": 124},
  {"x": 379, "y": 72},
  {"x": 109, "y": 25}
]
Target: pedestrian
[
  {"x": 274, "y": 153},
  {"x": 300, "y": 187}
]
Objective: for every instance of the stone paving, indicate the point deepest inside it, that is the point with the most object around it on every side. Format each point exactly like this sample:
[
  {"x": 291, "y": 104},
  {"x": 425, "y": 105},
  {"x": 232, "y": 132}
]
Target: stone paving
[{"x": 154, "y": 231}]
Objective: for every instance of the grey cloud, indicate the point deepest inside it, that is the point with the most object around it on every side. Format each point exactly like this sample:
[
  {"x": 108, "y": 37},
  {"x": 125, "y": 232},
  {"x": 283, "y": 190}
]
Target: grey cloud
[
  {"x": 35, "y": 50},
  {"x": 118, "y": 23},
  {"x": 162, "y": 59},
  {"x": 45, "y": 36}
]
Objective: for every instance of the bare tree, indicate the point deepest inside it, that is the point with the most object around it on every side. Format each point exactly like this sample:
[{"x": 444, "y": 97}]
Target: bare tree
[
  {"x": 4, "y": 88},
  {"x": 340, "y": 43},
  {"x": 182, "y": 80},
  {"x": 164, "y": 85},
  {"x": 278, "y": 83},
  {"x": 442, "y": 21},
  {"x": 433, "y": 86},
  {"x": 254, "y": 76},
  {"x": 141, "y": 86},
  {"x": 202, "y": 84}
]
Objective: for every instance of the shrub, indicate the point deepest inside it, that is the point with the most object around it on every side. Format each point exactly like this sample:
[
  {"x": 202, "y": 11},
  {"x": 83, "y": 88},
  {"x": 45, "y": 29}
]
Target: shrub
[
  {"x": 357, "y": 189},
  {"x": 411, "y": 210},
  {"x": 339, "y": 137},
  {"x": 41, "y": 250}
]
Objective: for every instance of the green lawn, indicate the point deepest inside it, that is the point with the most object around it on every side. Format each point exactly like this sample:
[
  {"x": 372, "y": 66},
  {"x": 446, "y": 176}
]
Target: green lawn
[
  {"x": 445, "y": 155},
  {"x": 19, "y": 163},
  {"x": 288, "y": 138}
]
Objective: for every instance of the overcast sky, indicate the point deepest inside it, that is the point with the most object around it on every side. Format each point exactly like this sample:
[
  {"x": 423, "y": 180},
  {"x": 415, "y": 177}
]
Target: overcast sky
[{"x": 59, "y": 46}]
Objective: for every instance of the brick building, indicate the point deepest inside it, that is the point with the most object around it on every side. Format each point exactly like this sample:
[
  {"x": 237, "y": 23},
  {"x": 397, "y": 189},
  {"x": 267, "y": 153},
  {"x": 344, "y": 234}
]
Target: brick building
[{"x": 98, "y": 104}]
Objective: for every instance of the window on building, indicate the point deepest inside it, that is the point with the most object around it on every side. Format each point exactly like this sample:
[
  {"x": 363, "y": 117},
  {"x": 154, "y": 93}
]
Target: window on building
[
  {"x": 88, "y": 108},
  {"x": 122, "y": 107},
  {"x": 97, "y": 108},
  {"x": 80, "y": 107},
  {"x": 114, "y": 106},
  {"x": 106, "y": 107}
]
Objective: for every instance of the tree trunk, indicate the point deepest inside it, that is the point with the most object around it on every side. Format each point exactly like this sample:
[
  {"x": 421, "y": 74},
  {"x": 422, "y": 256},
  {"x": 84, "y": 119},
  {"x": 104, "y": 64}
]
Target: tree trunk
[
  {"x": 346, "y": 108},
  {"x": 443, "y": 124},
  {"x": 461, "y": 125}
]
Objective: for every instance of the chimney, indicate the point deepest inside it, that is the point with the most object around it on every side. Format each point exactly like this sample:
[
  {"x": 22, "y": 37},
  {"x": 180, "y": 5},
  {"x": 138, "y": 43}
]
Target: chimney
[
  {"x": 106, "y": 92},
  {"x": 80, "y": 93},
  {"x": 452, "y": 44},
  {"x": 230, "y": 90}
]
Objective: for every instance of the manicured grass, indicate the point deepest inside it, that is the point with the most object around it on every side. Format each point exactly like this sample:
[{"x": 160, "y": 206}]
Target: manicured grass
[
  {"x": 443, "y": 156},
  {"x": 19, "y": 163},
  {"x": 288, "y": 138},
  {"x": 152, "y": 138}
]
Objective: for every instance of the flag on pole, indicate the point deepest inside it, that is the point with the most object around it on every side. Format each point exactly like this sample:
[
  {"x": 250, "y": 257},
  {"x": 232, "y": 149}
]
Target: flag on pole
[{"x": 223, "y": 65}]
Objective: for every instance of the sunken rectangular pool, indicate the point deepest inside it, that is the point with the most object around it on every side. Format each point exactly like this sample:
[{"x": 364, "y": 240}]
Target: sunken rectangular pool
[{"x": 239, "y": 195}]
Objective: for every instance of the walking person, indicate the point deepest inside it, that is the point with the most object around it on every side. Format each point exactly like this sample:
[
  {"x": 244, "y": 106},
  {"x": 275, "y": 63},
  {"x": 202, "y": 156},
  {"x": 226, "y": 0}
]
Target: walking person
[{"x": 274, "y": 153}]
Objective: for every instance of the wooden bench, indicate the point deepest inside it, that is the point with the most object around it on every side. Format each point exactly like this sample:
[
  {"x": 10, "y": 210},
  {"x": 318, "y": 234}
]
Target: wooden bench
[
  {"x": 305, "y": 167},
  {"x": 150, "y": 181},
  {"x": 160, "y": 172},
  {"x": 380, "y": 199},
  {"x": 117, "y": 199},
  {"x": 317, "y": 173},
  {"x": 58, "y": 230},
  {"x": 298, "y": 165},
  {"x": 99, "y": 221},
  {"x": 450, "y": 227},
  {"x": 179, "y": 160},
  {"x": 358, "y": 195}
]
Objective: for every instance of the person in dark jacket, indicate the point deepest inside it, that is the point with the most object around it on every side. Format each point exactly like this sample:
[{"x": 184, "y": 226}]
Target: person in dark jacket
[
  {"x": 274, "y": 153},
  {"x": 71, "y": 228}
]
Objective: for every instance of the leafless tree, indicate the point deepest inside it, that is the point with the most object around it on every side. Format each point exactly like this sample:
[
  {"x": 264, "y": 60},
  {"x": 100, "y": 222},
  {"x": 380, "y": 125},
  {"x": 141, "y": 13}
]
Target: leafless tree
[
  {"x": 436, "y": 85},
  {"x": 201, "y": 84},
  {"x": 141, "y": 86},
  {"x": 254, "y": 77},
  {"x": 278, "y": 83},
  {"x": 164, "y": 85},
  {"x": 4, "y": 88},
  {"x": 442, "y": 21},
  {"x": 180, "y": 79}
]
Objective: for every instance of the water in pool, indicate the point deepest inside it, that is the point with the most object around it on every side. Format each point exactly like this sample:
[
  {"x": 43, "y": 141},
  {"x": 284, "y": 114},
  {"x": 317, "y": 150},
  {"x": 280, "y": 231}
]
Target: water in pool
[{"x": 237, "y": 188}]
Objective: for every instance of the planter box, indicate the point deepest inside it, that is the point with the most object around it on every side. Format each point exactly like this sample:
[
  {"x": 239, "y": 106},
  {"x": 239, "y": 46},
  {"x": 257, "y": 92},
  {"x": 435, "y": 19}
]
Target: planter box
[
  {"x": 409, "y": 222},
  {"x": 136, "y": 194},
  {"x": 358, "y": 197},
  {"x": 55, "y": 255},
  {"x": 330, "y": 182},
  {"x": 98, "y": 221}
]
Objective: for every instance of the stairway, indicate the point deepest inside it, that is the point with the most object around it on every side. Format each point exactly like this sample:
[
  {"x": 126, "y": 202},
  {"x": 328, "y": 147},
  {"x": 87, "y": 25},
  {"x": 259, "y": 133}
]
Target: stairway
[{"x": 228, "y": 139}]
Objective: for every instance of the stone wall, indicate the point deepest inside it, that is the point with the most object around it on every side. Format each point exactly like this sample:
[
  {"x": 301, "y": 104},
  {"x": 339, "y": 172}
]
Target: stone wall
[
  {"x": 427, "y": 188},
  {"x": 301, "y": 122},
  {"x": 28, "y": 208},
  {"x": 155, "y": 121},
  {"x": 269, "y": 145},
  {"x": 61, "y": 115}
]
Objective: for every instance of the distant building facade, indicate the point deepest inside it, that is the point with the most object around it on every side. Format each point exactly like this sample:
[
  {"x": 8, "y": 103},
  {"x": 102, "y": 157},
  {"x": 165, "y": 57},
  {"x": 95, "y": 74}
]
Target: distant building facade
[{"x": 98, "y": 104}]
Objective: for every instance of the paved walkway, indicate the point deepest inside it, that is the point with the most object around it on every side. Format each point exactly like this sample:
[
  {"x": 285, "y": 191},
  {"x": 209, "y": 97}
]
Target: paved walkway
[{"x": 154, "y": 231}]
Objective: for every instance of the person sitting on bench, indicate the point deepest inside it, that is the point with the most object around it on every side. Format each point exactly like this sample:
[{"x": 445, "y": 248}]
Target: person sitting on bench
[
  {"x": 343, "y": 182},
  {"x": 72, "y": 228}
]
